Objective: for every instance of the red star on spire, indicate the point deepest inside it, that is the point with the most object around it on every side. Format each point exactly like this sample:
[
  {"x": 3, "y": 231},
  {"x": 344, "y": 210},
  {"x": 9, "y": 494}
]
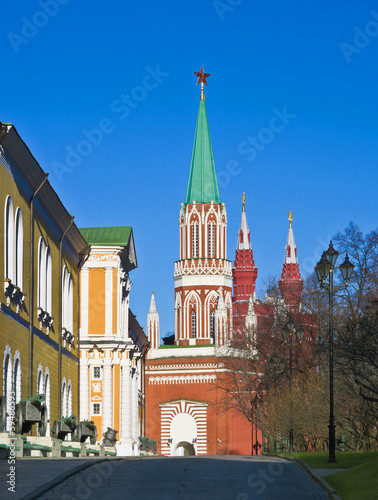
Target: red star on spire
[{"x": 202, "y": 76}]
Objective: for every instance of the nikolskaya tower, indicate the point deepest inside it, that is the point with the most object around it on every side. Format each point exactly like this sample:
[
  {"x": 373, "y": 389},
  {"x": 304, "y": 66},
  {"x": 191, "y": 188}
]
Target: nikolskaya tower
[
  {"x": 181, "y": 391},
  {"x": 203, "y": 275}
]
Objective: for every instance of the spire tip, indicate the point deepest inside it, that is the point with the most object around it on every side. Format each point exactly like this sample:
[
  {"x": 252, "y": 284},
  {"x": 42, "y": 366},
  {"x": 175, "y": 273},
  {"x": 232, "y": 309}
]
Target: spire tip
[{"x": 290, "y": 214}]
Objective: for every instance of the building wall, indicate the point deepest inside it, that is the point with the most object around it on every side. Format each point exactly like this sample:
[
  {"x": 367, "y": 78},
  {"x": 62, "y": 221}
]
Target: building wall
[
  {"x": 187, "y": 385},
  {"x": 19, "y": 180},
  {"x": 113, "y": 396}
]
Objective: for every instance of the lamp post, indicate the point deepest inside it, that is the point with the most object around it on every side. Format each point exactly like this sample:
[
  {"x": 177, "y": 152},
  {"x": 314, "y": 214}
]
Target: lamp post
[
  {"x": 254, "y": 400},
  {"x": 323, "y": 268},
  {"x": 287, "y": 335},
  {"x": 276, "y": 365},
  {"x": 260, "y": 391}
]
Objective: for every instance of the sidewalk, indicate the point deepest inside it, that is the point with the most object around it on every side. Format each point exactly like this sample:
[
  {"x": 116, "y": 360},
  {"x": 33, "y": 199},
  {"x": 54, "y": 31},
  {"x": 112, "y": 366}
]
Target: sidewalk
[{"x": 33, "y": 473}]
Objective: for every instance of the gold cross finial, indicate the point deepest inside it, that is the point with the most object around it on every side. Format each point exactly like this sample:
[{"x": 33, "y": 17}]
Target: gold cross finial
[
  {"x": 290, "y": 214},
  {"x": 243, "y": 198}
]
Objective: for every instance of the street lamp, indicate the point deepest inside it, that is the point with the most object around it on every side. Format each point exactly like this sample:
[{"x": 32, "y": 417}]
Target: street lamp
[
  {"x": 323, "y": 268},
  {"x": 287, "y": 334},
  {"x": 259, "y": 396},
  {"x": 276, "y": 365}
]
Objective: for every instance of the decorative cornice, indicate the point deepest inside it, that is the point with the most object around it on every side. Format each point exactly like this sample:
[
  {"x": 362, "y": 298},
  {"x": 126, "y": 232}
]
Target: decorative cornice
[
  {"x": 182, "y": 379},
  {"x": 191, "y": 366},
  {"x": 202, "y": 266}
]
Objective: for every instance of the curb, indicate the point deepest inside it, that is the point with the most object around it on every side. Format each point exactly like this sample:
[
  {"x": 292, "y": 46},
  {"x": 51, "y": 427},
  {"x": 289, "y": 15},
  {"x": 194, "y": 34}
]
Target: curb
[
  {"x": 35, "y": 494},
  {"x": 319, "y": 479}
]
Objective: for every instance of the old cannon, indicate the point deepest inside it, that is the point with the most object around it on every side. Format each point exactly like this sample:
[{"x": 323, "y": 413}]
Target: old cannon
[
  {"x": 85, "y": 429},
  {"x": 109, "y": 437},
  {"x": 147, "y": 444},
  {"x": 31, "y": 411},
  {"x": 63, "y": 427}
]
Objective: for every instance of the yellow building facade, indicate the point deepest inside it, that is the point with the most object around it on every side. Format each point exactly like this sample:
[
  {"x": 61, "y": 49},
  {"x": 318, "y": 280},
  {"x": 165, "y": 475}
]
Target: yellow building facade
[
  {"x": 112, "y": 344},
  {"x": 41, "y": 250}
]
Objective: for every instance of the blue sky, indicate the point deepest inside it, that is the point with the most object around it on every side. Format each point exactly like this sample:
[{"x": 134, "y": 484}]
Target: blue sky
[{"x": 121, "y": 74}]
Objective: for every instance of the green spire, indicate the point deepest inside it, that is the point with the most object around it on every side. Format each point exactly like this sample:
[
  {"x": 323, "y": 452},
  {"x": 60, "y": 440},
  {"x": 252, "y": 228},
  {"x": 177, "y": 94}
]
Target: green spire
[{"x": 202, "y": 185}]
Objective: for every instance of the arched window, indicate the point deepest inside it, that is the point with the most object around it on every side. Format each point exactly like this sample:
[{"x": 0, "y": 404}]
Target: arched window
[
  {"x": 9, "y": 240},
  {"x": 69, "y": 398},
  {"x": 194, "y": 324},
  {"x": 40, "y": 388},
  {"x": 70, "y": 303},
  {"x": 47, "y": 400},
  {"x": 64, "y": 298},
  {"x": 17, "y": 377},
  {"x": 67, "y": 300},
  {"x": 212, "y": 324},
  {"x": 211, "y": 239},
  {"x": 195, "y": 240},
  {"x": 19, "y": 253},
  {"x": 48, "y": 279},
  {"x": 7, "y": 388},
  {"x": 64, "y": 399},
  {"x": 44, "y": 276}
]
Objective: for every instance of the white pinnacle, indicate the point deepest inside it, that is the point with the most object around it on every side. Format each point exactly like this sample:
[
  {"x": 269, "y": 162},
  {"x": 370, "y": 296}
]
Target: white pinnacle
[
  {"x": 291, "y": 248},
  {"x": 152, "y": 304},
  {"x": 243, "y": 243}
]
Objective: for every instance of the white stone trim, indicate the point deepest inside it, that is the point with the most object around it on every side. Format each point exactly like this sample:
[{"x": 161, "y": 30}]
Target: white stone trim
[
  {"x": 197, "y": 410},
  {"x": 181, "y": 379}
]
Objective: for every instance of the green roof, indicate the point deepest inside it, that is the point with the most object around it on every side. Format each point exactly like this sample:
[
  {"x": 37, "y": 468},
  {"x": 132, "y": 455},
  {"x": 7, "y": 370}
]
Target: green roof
[
  {"x": 112, "y": 236},
  {"x": 202, "y": 185}
]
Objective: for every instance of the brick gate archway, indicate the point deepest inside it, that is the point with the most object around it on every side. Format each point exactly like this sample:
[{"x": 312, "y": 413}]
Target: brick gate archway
[{"x": 195, "y": 409}]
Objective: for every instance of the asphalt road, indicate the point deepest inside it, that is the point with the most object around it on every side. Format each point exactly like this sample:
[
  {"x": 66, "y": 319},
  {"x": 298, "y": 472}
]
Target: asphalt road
[{"x": 207, "y": 478}]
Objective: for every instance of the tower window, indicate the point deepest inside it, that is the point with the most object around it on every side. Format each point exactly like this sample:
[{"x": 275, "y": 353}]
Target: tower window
[
  {"x": 212, "y": 324},
  {"x": 195, "y": 240},
  {"x": 194, "y": 324},
  {"x": 211, "y": 239},
  {"x": 96, "y": 409},
  {"x": 96, "y": 372}
]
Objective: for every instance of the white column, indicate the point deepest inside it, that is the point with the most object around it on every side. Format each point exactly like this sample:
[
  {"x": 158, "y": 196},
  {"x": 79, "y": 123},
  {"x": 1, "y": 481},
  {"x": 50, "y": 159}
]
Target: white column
[
  {"x": 108, "y": 300},
  {"x": 125, "y": 400},
  {"x": 107, "y": 395},
  {"x": 84, "y": 387},
  {"x": 84, "y": 292},
  {"x": 135, "y": 416}
]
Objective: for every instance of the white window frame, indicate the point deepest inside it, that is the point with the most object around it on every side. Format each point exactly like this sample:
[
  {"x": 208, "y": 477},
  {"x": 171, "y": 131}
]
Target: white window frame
[
  {"x": 17, "y": 377},
  {"x": 100, "y": 409},
  {"x": 7, "y": 383},
  {"x": 9, "y": 240},
  {"x": 19, "y": 249}
]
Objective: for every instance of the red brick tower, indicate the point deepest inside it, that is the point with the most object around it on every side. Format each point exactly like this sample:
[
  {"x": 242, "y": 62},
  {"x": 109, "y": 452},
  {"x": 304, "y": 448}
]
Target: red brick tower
[
  {"x": 244, "y": 274},
  {"x": 291, "y": 283}
]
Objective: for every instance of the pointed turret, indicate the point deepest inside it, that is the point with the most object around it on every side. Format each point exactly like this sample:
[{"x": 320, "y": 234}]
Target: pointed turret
[
  {"x": 244, "y": 272},
  {"x": 251, "y": 318},
  {"x": 291, "y": 284},
  {"x": 202, "y": 185},
  {"x": 153, "y": 328}
]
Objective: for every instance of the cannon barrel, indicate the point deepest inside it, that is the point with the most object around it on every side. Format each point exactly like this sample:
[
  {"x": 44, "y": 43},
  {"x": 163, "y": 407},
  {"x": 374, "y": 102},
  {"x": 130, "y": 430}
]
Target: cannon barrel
[
  {"x": 87, "y": 422},
  {"x": 70, "y": 419},
  {"x": 39, "y": 398}
]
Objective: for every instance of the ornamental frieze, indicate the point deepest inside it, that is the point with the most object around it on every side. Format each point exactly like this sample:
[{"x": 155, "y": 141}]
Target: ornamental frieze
[
  {"x": 103, "y": 258},
  {"x": 183, "y": 268}
]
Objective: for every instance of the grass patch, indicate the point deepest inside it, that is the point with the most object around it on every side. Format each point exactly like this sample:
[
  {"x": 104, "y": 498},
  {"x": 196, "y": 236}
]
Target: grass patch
[
  {"x": 358, "y": 483},
  {"x": 319, "y": 460}
]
